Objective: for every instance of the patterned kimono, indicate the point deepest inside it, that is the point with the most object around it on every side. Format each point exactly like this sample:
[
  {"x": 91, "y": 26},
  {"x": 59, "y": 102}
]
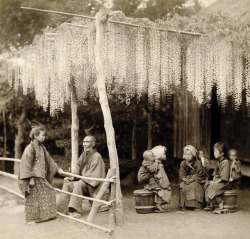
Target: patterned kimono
[
  {"x": 221, "y": 172},
  {"x": 40, "y": 199},
  {"x": 154, "y": 178},
  {"x": 89, "y": 164},
  {"x": 191, "y": 195}
]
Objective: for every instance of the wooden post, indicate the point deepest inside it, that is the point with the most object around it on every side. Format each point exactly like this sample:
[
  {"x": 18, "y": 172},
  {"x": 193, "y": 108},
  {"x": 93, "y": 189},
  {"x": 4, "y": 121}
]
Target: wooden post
[
  {"x": 133, "y": 141},
  {"x": 100, "y": 194},
  {"x": 74, "y": 126},
  {"x": 150, "y": 141},
  {"x": 101, "y": 20},
  {"x": 19, "y": 139}
]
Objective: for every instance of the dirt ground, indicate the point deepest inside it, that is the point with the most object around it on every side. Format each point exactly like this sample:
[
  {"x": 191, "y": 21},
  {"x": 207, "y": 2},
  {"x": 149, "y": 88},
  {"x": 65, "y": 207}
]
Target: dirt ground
[{"x": 173, "y": 224}]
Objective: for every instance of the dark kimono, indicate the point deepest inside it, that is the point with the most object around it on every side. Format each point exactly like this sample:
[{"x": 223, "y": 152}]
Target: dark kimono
[
  {"x": 221, "y": 172},
  {"x": 154, "y": 178},
  {"x": 235, "y": 174},
  {"x": 40, "y": 199},
  {"x": 191, "y": 195},
  {"x": 89, "y": 165}
]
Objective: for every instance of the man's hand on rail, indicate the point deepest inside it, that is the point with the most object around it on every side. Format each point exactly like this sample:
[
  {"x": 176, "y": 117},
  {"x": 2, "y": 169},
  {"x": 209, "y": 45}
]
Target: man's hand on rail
[
  {"x": 60, "y": 171},
  {"x": 69, "y": 179}
]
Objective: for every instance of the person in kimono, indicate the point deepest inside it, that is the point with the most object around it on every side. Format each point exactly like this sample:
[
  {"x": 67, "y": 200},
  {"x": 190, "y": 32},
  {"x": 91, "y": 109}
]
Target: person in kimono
[
  {"x": 205, "y": 163},
  {"x": 36, "y": 172},
  {"x": 235, "y": 169},
  {"x": 154, "y": 177},
  {"x": 217, "y": 186},
  {"x": 90, "y": 164},
  {"x": 192, "y": 176}
]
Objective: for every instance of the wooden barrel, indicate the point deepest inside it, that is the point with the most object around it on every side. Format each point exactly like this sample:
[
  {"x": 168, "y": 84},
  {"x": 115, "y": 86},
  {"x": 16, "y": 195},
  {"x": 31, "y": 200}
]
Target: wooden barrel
[
  {"x": 230, "y": 198},
  {"x": 144, "y": 201}
]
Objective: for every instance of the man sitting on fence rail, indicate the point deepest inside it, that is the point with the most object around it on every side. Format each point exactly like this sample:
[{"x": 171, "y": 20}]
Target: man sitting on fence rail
[{"x": 89, "y": 164}]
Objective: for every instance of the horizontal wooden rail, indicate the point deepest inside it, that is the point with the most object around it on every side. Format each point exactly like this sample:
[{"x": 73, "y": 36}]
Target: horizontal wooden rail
[
  {"x": 116, "y": 22},
  {"x": 59, "y": 190},
  {"x": 7, "y": 189},
  {"x": 10, "y": 159},
  {"x": 88, "y": 178},
  {"x": 8, "y": 175},
  {"x": 84, "y": 197},
  {"x": 110, "y": 231},
  {"x": 68, "y": 174}
]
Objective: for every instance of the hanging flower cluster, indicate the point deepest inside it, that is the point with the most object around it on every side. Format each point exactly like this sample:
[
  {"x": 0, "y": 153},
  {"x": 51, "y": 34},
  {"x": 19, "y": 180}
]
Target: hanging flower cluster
[
  {"x": 219, "y": 63},
  {"x": 138, "y": 61}
]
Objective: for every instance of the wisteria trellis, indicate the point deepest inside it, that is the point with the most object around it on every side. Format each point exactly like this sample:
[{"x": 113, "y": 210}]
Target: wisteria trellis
[{"x": 138, "y": 61}]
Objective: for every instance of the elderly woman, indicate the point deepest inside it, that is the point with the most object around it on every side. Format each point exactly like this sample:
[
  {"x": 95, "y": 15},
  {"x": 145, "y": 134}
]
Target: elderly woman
[
  {"x": 154, "y": 177},
  {"x": 192, "y": 175}
]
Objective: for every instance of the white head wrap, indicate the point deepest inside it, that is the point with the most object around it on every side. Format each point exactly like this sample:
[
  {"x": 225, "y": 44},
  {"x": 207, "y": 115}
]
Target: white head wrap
[
  {"x": 192, "y": 149},
  {"x": 158, "y": 151}
]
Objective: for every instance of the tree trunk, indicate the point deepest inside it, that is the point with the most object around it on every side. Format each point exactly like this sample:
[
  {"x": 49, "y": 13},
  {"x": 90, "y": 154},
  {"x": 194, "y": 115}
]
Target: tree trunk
[
  {"x": 19, "y": 139},
  {"x": 150, "y": 122},
  {"x": 133, "y": 141},
  {"x": 74, "y": 126},
  {"x": 101, "y": 20}
]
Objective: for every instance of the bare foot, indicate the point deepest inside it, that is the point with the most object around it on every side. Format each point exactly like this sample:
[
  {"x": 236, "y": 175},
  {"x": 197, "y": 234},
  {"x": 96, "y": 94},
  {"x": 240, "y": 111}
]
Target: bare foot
[
  {"x": 31, "y": 223},
  {"x": 75, "y": 214}
]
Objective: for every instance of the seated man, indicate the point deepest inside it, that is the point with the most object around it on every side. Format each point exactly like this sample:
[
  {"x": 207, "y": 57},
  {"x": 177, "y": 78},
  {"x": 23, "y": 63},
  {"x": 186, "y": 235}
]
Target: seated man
[{"x": 90, "y": 164}]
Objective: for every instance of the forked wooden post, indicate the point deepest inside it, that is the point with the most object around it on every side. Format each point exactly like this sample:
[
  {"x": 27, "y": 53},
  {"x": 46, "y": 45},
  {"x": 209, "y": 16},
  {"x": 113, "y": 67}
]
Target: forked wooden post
[
  {"x": 96, "y": 205},
  {"x": 101, "y": 21}
]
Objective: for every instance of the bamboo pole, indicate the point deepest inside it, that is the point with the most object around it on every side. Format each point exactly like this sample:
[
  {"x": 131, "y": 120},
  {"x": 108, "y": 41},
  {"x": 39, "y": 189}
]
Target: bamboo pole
[
  {"x": 110, "y": 231},
  {"x": 9, "y": 190},
  {"x": 100, "y": 194},
  {"x": 84, "y": 197},
  {"x": 10, "y": 159},
  {"x": 116, "y": 22},
  {"x": 74, "y": 126},
  {"x": 67, "y": 174},
  {"x": 101, "y": 21},
  {"x": 9, "y": 175},
  {"x": 111, "y": 180}
]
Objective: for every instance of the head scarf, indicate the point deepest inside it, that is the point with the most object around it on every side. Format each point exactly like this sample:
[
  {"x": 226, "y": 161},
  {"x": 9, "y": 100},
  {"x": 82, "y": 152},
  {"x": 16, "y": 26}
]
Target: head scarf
[
  {"x": 192, "y": 149},
  {"x": 158, "y": 151}
]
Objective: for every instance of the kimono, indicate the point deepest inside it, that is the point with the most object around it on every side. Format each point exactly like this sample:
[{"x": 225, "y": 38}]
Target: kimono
[
  {"x": 221, "y": 172},
  {"x": 154, "y": 178},
  {"x": 89, "y": 164},
  {"x": 37, "y": 166},
  {"x": 191, "y": 195},
  {"x": 235, "y": 174}
]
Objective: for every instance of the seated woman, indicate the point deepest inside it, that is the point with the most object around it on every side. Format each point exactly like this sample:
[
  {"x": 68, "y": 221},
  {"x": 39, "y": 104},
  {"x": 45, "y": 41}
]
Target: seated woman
[
  {"x": 221, "y": 174},
  {"x": 192, "y": 175},
  {"x": 154, "y": 177}
]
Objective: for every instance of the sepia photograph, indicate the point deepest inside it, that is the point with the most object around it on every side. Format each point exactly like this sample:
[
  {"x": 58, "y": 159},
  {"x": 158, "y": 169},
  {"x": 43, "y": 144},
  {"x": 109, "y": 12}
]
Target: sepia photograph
[{"x": 124, "y": 119}]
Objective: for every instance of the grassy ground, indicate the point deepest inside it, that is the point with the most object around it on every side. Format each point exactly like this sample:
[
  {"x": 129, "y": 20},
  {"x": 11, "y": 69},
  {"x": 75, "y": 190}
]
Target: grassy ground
[{"x": 174, "y": 224}]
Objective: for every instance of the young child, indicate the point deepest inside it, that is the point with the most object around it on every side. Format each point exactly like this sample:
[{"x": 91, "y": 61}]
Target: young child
[
  {"x": 154, "y": 178},
  {"x": 235, "y": 168},
  {"x": 216, "y": 186},
  {"x": 36, "y": 172},
  {"x": 205, "y": 163}
]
